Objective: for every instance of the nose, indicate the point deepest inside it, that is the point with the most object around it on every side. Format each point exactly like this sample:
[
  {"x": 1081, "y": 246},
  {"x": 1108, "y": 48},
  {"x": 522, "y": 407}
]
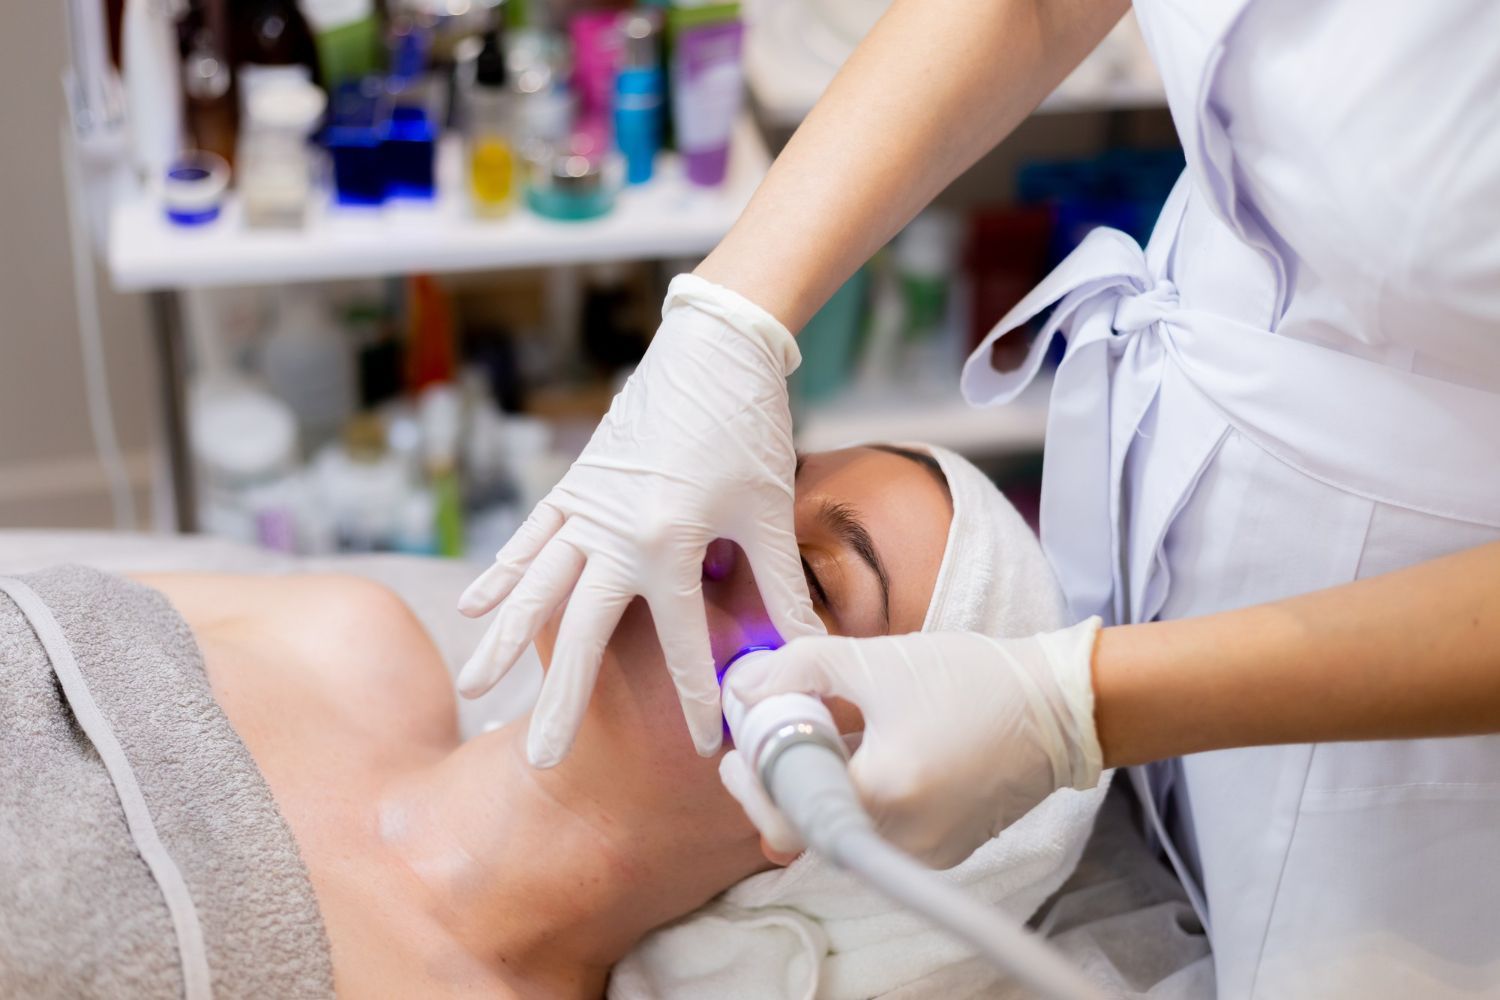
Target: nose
[
  {"x": 719, "y": 559},
  {"x": 736, "y": 615}
]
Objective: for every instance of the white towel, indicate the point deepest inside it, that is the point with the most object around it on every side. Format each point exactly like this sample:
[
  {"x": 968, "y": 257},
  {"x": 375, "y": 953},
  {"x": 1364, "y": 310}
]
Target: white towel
[{"x": 809, "y": 930}]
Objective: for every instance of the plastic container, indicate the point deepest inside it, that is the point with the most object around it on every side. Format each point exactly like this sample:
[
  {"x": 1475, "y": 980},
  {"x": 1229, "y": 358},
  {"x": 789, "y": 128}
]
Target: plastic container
[
  {"x": 439, "y": 410},
  {"x": 830, "y": 341},
  {"x": 276, "y": 169},
  {"x": 354, "y": 142},
  {"x": 596, "y": 55},
  {"x": 570, "y": 187},
  {"x": 409, "y": 130},
  {"x": 271, "y": 43},
  {"x": 308, "y": 363},
  {"x": 363, "y": 487},
  {"x": 639, "y": 91},
  {"x": 193, "y": 188},
  {"x": 212, "y": 114},
  {"x": 153, "y": 85},
  {"x": 707, "y": 90},
  {"x": 926, "y": 255},
  {"x": 243, "y": 440},
  {"x": 346, "y": 34},
  {"x": 537, "y": 66}
]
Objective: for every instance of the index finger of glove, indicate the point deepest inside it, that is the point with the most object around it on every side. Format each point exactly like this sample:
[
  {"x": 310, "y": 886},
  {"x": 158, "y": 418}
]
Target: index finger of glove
[{"x": 511, "y": 562}]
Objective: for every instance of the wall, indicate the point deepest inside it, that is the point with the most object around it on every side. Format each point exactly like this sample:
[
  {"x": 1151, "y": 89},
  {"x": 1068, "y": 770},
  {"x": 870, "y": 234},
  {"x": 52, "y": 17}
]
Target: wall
[{"x": 49, "y": 474}]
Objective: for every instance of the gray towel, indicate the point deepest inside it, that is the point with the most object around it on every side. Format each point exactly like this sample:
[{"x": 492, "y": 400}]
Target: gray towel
[{"x": 82, "y": 912}]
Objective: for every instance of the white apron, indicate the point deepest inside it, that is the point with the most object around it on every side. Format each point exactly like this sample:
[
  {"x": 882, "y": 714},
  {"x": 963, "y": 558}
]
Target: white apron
[{"x": 1297, "y": 384}]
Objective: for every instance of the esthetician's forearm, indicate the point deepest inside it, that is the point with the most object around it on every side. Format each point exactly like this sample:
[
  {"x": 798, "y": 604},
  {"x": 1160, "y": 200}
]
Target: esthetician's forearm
[
  {"x": 934, "y": 86},
  {"x": 1414, "y": 653}
]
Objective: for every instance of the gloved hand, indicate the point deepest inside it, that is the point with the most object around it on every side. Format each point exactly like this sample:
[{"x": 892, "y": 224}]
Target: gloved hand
[
  {"x": 696, "y": 446},
  {"x": 963, "y": 733}
]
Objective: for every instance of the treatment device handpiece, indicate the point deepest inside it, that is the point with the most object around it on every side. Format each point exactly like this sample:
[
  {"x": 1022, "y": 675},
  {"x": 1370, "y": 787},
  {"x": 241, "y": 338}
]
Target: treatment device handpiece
[{"x": 794, "y": 748}]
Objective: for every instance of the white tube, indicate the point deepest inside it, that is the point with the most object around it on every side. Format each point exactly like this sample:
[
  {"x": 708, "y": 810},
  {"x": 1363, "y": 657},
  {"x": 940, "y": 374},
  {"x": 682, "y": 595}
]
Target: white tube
[{"x": 153, "y": 85}]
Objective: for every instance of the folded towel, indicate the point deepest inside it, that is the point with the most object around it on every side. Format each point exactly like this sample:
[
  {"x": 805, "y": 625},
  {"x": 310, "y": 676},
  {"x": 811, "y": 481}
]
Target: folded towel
[
  {"x": 810, "y": 930},
  {"x": 141, "y": 853}
]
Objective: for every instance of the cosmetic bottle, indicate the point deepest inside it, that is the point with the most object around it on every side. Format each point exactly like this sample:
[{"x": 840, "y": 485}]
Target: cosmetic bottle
[
  {"x": 439, "y": 410},
  {"x": 570, "y": 187},
  {"x": 346, "y": 34},
  {"x": 207, "y": 85},
  {"x": 243, "y": 439},
  {"x": 270, "y": 41},
  {"x": 192, "y": 189},
  {"x": 409, "y": 131},
  {"x": 353, "y": 138},
  {"x": 276, "y": 170},
  {"x": 707, "y": 88},
  {"x": 309, "y": 364},
  {"x": 596, "y": 55},
  {"x": 639, "y": 87},
  {"x": 544, "y": 105},
  {"x": 488, "y": 114},
  {"x": 153, "y": 85}
]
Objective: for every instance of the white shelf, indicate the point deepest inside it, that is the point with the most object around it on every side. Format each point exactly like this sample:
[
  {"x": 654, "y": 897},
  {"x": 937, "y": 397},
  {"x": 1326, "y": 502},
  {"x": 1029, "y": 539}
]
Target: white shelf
[
  {"x": 932, "y": 416},
  {"x": 667, "y": 217}
]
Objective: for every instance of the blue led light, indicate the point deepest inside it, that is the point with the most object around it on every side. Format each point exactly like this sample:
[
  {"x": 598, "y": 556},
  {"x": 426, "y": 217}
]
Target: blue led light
[{"x": 744, "y": 651}]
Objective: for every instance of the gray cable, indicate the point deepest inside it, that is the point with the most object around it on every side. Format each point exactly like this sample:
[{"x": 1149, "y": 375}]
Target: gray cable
[{"x": 810, "y": 784}]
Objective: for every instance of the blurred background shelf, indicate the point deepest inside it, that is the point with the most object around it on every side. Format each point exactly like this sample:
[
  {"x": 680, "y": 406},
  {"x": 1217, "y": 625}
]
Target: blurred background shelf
[
  {"x": 425, "y": 374},
  {"x": 665, "y": 218},
  {"x": 796, "y": 49},
  {"x": 934, "y": 414}
]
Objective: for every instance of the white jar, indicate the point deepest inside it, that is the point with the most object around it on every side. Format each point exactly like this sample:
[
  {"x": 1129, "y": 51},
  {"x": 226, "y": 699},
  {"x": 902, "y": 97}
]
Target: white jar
[{"x": 275, "y": 161}]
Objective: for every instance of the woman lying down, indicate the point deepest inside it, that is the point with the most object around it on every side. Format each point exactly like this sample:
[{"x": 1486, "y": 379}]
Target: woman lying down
[{"x": 255, "y": 786}]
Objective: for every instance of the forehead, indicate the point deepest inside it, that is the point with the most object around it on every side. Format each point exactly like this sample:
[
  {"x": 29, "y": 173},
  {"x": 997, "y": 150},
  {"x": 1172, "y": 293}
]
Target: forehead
[{"x": 904, "y": 508}]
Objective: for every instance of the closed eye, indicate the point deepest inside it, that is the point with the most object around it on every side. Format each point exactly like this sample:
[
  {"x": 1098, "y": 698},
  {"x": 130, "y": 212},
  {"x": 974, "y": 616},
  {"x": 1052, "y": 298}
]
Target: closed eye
[{"x": 815, "y": 585}]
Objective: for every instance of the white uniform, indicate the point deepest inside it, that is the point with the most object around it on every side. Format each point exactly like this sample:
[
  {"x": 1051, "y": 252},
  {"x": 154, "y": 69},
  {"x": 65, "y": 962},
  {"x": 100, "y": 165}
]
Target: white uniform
[{"x": 1297, "y": 384}]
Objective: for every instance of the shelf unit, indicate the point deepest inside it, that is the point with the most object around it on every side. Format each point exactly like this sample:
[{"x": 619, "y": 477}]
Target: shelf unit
[
  {"x": 667, "y": 217},
  {"x": 934, "y": 414}
]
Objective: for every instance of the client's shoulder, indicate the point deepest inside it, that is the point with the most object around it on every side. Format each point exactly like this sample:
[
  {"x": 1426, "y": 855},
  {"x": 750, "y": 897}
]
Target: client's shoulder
[{"x": 343, "y": 640}]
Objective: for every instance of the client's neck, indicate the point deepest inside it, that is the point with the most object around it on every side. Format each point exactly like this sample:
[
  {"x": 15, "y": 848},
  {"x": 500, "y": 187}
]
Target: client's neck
[{"x": 547, "y": 878}]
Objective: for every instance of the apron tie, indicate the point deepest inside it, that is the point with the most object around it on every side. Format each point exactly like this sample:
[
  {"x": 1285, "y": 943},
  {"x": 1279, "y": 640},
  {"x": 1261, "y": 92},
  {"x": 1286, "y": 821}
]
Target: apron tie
[{"x": 1114, "y": 312}]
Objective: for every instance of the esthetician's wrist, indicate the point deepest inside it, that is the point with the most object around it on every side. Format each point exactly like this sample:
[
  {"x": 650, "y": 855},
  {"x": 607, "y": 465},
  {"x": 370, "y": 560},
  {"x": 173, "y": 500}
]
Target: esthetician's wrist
[
  {"x": 761, "y": 280},
  {"x": 1131, "y": 714}
]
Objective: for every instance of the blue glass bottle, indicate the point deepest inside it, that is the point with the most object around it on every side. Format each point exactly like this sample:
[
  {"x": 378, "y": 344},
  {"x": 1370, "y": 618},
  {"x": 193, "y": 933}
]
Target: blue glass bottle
[
  {"x": 354, "y": 141},
  {"x": 409, "y": 136}
]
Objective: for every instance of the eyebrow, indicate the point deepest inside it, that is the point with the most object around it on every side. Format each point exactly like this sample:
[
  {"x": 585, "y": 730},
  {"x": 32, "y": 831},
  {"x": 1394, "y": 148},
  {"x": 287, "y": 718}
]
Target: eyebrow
[{"x": 843, "y": 520}]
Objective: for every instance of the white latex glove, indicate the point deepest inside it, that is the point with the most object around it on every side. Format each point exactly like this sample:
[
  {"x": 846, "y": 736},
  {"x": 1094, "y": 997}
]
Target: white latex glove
[
  {"x": 963, "y": 733},
  {"x": 697, "y": 446}
]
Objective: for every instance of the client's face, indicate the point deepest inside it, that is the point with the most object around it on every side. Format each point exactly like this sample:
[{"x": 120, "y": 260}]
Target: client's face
[{"x": 871, "y": 527}]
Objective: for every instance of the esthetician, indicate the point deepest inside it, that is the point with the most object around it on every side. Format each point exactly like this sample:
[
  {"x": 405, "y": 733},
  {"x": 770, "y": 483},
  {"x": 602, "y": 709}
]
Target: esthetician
[{"x": 1293, "y": 389}]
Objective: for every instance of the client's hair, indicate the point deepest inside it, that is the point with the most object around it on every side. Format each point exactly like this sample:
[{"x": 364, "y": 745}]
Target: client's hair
[{"x": 923, "y": 459}]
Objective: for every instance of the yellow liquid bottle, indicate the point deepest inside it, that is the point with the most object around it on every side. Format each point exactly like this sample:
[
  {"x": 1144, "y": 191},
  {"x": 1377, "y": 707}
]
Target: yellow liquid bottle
[
  {"x": 491, "y": 154},
  {"x": 492, "y": 175}
]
